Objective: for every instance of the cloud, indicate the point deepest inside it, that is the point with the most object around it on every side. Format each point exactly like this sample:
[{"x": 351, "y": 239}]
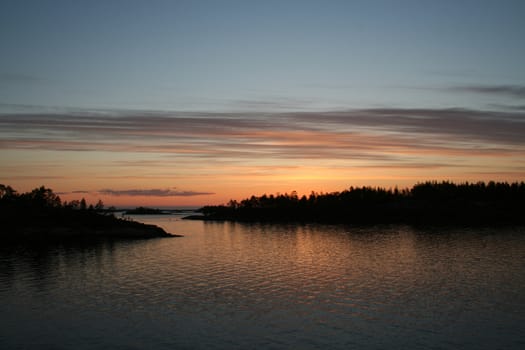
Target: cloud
[
  {"x": 517, "y": 108},
  {"x": 393, "y": 135},
  {"x": 452, "y": 124},
  {"x": 515, "y": 91},
  {"x": 20, "y": 78},
  {"x": 74, "y": 192},
  {"x": 153, "y": 192},
  {"x": 38, "y": 177},
  {"x": 275, "y": 103}
]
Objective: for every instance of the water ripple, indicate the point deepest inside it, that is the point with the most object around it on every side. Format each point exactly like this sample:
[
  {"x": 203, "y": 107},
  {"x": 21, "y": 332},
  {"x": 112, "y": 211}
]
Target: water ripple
[{"x": 270, "y": 286}]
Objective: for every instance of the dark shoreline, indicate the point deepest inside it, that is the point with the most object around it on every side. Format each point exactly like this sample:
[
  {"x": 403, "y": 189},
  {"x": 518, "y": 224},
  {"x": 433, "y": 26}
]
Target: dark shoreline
[
  {"x": 119, "y": 229},
  {"x": 40, "y": 215},
  {"x": 116, "y": 229},
  {"x": 431, "y": 203},
  {"x": 415, "y": 223}
]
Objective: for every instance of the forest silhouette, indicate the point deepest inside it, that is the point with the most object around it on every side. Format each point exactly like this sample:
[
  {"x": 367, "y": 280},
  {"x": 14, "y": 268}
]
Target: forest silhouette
[
  {"x": 40, "y": 214},
  {"x": 429, "y": 202}
]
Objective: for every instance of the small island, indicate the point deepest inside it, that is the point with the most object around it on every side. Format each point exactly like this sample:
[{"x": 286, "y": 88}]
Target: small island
[
  {"x": 145, "y": 211},
  {"x": 431, "y": 202},
  {"x": 40, "y": 215}
]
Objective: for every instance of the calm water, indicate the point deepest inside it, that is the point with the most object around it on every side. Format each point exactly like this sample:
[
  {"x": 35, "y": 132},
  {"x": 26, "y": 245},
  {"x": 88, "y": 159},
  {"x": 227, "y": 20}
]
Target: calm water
[{"x": 228, "y": 286}]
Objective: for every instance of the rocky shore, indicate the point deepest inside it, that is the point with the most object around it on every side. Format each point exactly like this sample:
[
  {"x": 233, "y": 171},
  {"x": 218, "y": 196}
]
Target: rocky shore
[
  {"x": 119, "y": 229},
  {"x": 40, "y": 215}
]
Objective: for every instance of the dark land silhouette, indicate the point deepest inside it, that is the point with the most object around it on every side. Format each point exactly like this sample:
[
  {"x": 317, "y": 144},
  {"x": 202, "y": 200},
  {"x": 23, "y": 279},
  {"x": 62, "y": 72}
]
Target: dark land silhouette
[
  {"x": 145, "y": 211},
  {"x": 41, "y": 215},
  {"x": 425, "y": 203}
]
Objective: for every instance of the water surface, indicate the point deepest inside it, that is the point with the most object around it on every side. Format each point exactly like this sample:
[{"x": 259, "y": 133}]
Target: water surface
[{"x": 227, "y": 285}]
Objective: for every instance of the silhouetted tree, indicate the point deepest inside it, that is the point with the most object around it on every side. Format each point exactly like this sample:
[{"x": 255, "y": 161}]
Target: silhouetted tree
[
  {"x": 6, "y": 192},
  {"x": 99, "y": 206},
  {"x": 43, "y": 197},
  {"x": 83, "y": 204},
  {"x": 430, "y": 201}
]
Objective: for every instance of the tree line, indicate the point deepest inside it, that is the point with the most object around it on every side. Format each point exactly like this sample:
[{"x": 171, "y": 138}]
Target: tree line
[
  {"x": 42, "y": 208},
  {"x": 40, "y": 216},
  {"x": 427, "y": 202},
  {"x": 42, "y": 198}
]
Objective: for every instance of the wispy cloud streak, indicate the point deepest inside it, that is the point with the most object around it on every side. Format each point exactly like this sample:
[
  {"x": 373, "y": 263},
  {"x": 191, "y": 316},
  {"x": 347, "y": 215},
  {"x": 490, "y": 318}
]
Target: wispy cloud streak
[
  {"x": 516, "y": 91},
  {"x": 370, "y": 134},
  {"x": 20, "y": 78},
  {"x": 156, "y": 192}
]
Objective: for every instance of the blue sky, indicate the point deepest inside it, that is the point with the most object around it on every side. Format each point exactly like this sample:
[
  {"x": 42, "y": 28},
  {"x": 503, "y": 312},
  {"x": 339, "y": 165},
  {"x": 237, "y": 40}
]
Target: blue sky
[
  {"x": 259, "y": 55},
  {"x": 197, "y": 102}
]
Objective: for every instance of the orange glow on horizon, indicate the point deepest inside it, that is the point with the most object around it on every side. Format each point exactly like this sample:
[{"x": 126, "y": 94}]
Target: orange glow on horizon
[{"x": 200, "y": 160}]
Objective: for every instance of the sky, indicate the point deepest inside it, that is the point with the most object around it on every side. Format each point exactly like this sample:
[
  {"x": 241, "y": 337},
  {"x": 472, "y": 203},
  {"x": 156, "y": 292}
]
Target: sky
[{"x": 179, "y": 103}]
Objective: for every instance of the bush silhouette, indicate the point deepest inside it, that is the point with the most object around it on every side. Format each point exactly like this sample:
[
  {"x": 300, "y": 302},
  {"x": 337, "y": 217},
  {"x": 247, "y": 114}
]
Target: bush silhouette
[{"x": 427, "y": 202}]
